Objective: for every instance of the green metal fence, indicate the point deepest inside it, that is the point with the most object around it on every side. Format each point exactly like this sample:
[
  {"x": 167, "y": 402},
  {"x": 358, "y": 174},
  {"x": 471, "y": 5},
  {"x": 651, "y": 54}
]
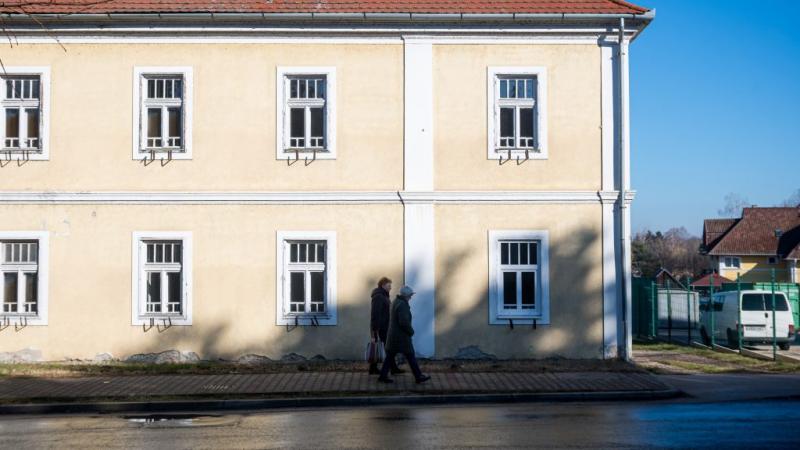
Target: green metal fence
[{"x": 679, "y": 314}]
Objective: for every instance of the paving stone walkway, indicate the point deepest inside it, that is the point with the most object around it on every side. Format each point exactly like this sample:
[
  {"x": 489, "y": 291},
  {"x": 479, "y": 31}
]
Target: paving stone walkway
[{"x": 318, "y": 384}]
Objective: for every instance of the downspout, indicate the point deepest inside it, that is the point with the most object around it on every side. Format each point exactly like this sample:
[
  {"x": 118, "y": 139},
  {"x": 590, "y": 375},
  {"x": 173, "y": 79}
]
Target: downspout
[{"x": 624, "y": 160}]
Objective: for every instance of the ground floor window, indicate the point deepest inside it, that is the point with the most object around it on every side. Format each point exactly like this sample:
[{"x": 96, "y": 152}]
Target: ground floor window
[
  {"x": 162, "y": 278},
  {"x": 518, "y": 277},
  {"x": 306, "y": 278},
  {"x": 23, "y": 278}
]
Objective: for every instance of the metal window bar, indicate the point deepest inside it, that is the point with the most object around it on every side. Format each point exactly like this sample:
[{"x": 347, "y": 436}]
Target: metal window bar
[{"x": 20, "y": 109}]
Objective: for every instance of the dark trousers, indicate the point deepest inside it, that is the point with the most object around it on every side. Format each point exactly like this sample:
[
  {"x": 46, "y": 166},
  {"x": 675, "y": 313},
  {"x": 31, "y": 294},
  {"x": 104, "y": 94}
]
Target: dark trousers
[
  {"x": 373, "y": 367},
  {"x": 412, "y": 363}
]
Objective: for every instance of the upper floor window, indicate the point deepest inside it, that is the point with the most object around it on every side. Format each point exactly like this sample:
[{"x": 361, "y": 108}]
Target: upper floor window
[
  {"x": 307, "y": 274},
  {"x": 23, "y": 285},
  {"x": 162, "y": 278},
  {"x": 163, "y": 116},
  {"x": 24, "y": 101},
  {"x": 518, "y": 279},
  {"x": 517, "y": 112},
  {"x": 306, "y": 114},
  {"x": 731, "y": 262},
  {"x": 772, "y": 260}
]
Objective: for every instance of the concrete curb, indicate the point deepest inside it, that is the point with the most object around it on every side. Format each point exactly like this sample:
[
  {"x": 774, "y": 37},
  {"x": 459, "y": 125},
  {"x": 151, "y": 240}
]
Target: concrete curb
[{"x": 326, "y": 402}]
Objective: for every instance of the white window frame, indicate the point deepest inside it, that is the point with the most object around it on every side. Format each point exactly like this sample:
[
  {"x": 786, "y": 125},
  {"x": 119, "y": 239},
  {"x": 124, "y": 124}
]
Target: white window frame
[
  {"x": 542, "y": 311},
  {"x": 281, "y": 113},
  {"x": 723, "y": 262},
  {"x": 43, "y": 264},
  {"x": 139, "y": 131},
  {"x": 283, "y": 315},
  {"x": 43, "y": 153},
  {"x": 493, "y": 111},
  {"x": 139, "y": 315}
]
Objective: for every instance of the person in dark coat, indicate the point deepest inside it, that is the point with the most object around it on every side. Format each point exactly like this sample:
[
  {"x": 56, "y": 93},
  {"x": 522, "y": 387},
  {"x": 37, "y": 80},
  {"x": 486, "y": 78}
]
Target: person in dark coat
[
  {"x": 399, "y": 337},
  {"x": 379, "y": 319}
]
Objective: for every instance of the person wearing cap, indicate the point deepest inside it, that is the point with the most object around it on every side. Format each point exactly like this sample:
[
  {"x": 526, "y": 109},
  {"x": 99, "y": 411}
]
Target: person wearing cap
[{"x": 399, "y": 337}]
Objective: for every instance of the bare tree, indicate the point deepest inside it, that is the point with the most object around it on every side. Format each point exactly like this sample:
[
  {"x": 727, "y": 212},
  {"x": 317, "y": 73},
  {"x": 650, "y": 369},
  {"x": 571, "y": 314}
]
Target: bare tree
[
  {"x": 734, "y": 203},
  {"x": 793, "y": 200}
]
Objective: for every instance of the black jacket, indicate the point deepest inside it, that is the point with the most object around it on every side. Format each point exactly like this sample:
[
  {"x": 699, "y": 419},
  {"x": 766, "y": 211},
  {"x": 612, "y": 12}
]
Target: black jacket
[
  {"x": 379, "y": 316},
  {"x": 400, "y": 329}
]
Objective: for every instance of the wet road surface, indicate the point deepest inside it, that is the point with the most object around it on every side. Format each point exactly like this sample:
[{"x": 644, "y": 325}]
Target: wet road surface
[{"x": 753, "y": 424}]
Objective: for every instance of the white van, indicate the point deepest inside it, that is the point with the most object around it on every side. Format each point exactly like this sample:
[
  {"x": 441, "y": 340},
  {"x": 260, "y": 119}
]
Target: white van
[{"x": 756, "y": 317}]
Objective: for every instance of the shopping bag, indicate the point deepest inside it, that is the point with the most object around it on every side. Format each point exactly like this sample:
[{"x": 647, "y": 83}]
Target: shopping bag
[{"x": 375, "y": 352}]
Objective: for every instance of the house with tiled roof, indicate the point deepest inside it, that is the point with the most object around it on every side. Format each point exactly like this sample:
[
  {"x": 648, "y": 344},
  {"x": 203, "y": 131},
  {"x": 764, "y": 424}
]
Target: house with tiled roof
[
  {"x": 763, "y": 240},
  {"x": 233, "y": 177}
]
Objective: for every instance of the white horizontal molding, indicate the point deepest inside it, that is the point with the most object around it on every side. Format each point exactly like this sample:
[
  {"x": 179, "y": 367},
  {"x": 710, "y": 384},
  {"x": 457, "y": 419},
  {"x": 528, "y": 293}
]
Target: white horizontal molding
[{"x": 341, "y": 197}]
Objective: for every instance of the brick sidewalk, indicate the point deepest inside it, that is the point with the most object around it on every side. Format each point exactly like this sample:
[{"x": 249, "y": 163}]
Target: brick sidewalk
[{"x": 318, "y": 384}]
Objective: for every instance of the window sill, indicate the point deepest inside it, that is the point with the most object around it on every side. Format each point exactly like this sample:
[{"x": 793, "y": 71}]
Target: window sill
[
  {"x": 159, "y": 319},
  {"x": 517, "y": 153},
  {"x": 22, "y": 154},
  {"x": 518, "y": 319},
  {"x": 21, "y": 319},
  {"x": 163, "y": 154},
  {"x": 307, "y": 320},
  {"x": 306, "y": 153}
]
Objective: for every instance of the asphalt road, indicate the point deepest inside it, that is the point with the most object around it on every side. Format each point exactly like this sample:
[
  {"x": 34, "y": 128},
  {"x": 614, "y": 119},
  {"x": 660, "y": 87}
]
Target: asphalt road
[{"x": 715, "y": 417}]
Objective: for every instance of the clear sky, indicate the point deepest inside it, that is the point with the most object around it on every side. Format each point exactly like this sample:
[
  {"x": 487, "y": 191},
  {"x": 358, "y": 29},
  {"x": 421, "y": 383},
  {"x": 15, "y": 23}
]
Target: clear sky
[{"x": 715, "y": 108}]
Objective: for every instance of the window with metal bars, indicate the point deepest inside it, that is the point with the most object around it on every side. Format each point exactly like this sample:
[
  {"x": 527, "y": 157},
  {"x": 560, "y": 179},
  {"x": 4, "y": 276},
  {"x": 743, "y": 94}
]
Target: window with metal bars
[
  {"x": 518, "y": 275},
  {"x": 305, "y": 112},
  {"x": 162, "y": 272},
  {"x": 162, "y": 110},
  {"x": 515, "y": 112},
  {"x": 21, "y": 106},
  {"x": 305, "y": 277},
  {"x": 19, "y": 265}
]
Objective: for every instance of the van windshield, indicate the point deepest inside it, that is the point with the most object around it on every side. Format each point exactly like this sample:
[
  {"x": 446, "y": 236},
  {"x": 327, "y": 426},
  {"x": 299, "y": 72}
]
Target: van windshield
[{"x": 763, "y": 302}]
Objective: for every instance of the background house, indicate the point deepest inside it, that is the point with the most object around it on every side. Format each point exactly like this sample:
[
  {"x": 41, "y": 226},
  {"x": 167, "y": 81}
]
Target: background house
[{"x": 762, "y": 240}]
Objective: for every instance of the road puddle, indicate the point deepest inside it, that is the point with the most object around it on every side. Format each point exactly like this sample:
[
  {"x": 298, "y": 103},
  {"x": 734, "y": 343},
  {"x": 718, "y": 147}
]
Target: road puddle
[{"x": 181, "y": 420}]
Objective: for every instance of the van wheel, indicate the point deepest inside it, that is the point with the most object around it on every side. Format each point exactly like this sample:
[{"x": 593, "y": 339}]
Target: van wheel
[
  {"x": 785, "y": 345},
  {"x": 704, "y": 336}
]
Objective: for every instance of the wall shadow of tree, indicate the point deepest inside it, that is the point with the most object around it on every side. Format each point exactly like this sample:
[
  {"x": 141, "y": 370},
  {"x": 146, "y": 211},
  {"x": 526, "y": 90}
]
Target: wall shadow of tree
[{"x": 462, "y": 315}]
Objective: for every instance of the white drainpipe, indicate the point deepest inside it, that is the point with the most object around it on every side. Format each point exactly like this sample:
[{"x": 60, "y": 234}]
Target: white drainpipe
[{"x": 625, "y": 228}]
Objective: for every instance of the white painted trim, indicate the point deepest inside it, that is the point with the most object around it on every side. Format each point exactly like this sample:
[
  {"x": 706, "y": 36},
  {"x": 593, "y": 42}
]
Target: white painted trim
[
  {"x": 492, "y": 123},
  {"x": 372, "y": 40},
  {"x": 332, "y": 197},
  {"x": 281, "y": 318},
  {"x": 44, "y": 126},
  {"x": 611, "y": 297},
  {"x": 418, "y": 116},
  {"x": 43, "y": 273},
  {"x": 607, "y": 117},
  {"x": 137, "y": 295},
  {"x": 419, "y": 265},
  {"x": 543, "y": 236},
  {"x": 186, "y": 72},
  {"x": 330, "y": 110}
]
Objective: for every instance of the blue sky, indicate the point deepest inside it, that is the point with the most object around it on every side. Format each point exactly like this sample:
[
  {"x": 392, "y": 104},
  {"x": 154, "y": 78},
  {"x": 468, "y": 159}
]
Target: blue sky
[{"x": 715, "y": 108}]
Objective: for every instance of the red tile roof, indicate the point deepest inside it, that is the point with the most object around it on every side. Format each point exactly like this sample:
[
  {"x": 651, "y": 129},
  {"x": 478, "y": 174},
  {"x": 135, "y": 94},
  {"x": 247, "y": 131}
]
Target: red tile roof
[
  {"x": 754, "y": 233},
  {"x": 323, "y": 6},
  {"x": 714, "y": 229},
  {"x": 705, "y": 281}
]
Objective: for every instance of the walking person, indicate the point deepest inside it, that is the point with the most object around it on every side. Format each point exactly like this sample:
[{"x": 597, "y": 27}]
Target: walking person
[
  {"x": 379, "y": 320},
  {"x": 399, "y": 337}
]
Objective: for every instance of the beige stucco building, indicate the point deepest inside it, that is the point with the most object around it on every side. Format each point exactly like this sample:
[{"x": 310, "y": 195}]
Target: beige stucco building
[{"x": 234, "y": 180}]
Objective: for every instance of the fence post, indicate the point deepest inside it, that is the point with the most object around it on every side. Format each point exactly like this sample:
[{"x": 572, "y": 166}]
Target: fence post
[
  {"x": 669, "y": 312},
  {"x": 739, "y": 325},
  {"x": 654, "y": 309},
  {"x": 774, "y": 335},
  {"x": 711, "y": 309},
  {"x": 689, "y": 309}
]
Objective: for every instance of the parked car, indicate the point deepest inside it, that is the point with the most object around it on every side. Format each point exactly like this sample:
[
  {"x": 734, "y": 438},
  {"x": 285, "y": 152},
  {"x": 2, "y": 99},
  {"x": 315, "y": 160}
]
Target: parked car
[{"x": 756, "y": 313}]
